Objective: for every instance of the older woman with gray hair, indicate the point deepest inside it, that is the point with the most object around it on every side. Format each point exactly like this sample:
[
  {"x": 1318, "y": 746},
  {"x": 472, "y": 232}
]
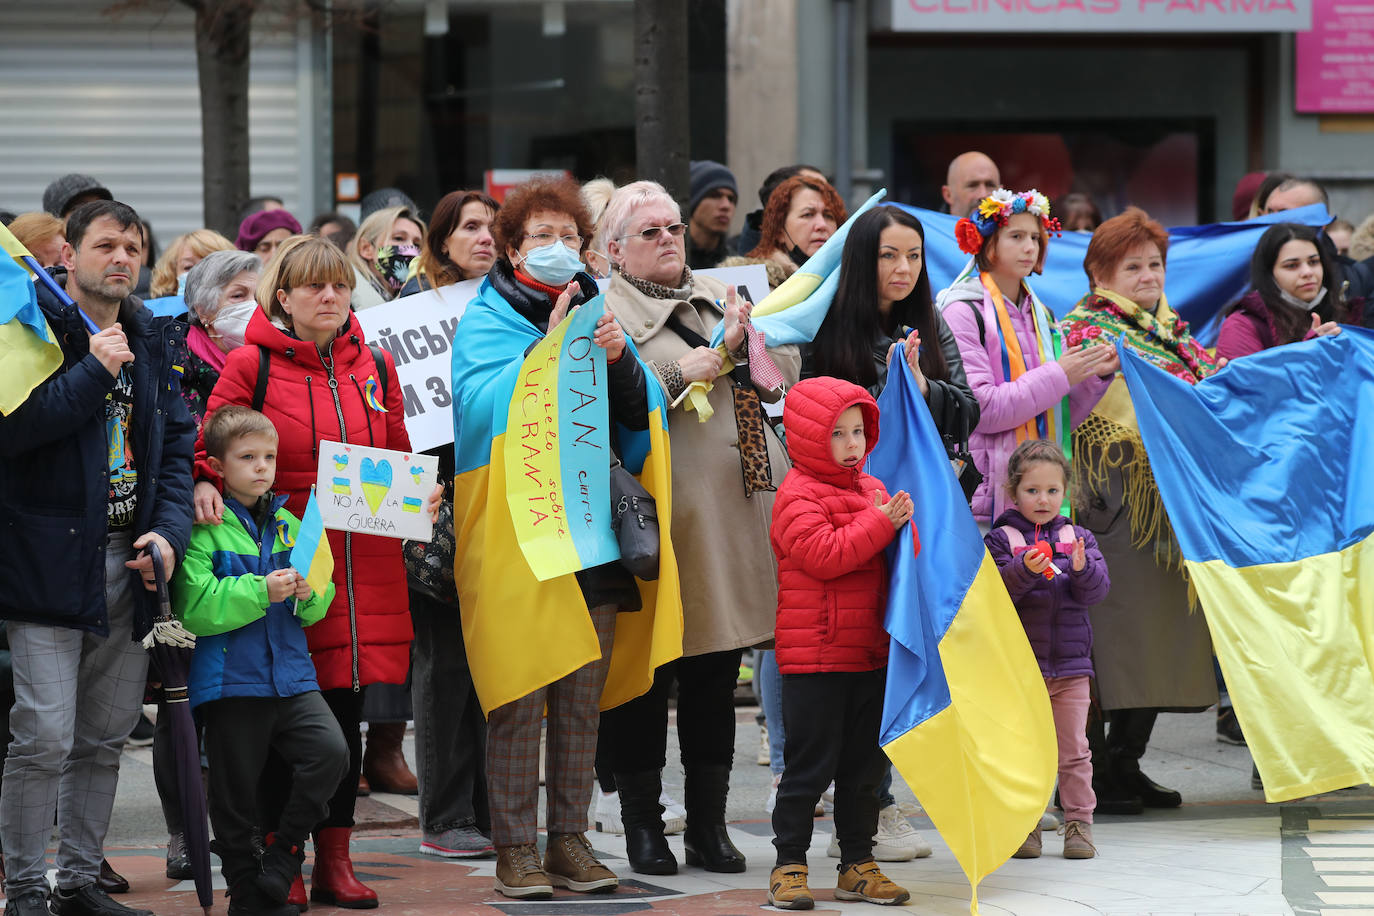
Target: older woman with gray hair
[
  {"x": 219, "y": 302},
  {"x": 720, "y": 528}
]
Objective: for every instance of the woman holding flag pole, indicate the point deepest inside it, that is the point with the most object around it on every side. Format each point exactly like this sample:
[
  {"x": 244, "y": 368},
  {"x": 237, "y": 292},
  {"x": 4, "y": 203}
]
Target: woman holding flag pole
[
  {"x": 1028, "y": 385},
  {"x": 306, "y": 366}
]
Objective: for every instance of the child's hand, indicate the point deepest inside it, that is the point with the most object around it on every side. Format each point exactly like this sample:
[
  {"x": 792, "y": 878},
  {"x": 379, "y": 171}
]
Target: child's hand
[
  {"x": 898, "y": 509},
  {"x": 281, "y": 584},
  {"x": 1080, "y": 556},
  {"x": 1036, "y": 561},
  {"x": 303, "y": 589}
]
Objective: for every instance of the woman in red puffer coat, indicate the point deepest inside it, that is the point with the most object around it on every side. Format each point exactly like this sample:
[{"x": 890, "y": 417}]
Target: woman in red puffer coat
[
  {"x": 325, "y": 382},
  {"x": 831, "y": 523}
]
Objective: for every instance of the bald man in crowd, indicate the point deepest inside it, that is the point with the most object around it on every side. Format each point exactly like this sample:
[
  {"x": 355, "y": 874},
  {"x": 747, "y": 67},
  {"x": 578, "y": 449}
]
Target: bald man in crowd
[{"x": 972, "y": 176}]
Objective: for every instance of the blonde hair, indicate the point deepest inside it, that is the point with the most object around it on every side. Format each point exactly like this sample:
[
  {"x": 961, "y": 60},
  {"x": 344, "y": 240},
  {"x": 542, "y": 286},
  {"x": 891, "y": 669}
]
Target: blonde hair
[
  {"x": 299, "y": 260},
  {"x": 372, "y": 231},
  {"x": 31, "y": 229},
  {"x": 201, "y": 242},
  {"x": 232, "y": 422}
]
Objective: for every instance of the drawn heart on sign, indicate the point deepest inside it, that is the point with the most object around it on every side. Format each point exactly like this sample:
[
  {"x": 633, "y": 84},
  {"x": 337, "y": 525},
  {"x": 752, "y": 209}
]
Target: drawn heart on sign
[
  {"x": 340, "y": 462},
  {"x": 375, "y": 476},
  {"x": 415, "y": 474}
]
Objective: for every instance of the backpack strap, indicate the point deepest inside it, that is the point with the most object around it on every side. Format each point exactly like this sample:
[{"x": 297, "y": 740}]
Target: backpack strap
[
  {"x": 1068, "y": 534},
  {"x": 264, "y": 368},
  {"x": 1015, "y": 539},
  {"x": 978, "y": 317},
  {"x": 380, "y": 363}
]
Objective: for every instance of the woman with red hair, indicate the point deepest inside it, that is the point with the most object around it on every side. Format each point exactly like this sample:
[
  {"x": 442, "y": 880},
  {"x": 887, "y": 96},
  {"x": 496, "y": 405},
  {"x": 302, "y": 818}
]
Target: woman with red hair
[
  {"x": 801, "y": 215},
  {"x": 1149, "y": 652}
]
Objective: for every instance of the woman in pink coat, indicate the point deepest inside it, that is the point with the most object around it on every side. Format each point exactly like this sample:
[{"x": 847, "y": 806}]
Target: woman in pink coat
[{"x": 1009, "y": 344}]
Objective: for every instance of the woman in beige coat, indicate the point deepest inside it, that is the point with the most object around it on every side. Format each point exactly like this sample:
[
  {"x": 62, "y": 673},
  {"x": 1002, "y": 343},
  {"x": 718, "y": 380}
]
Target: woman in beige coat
[{"x": 720, "y": 534}]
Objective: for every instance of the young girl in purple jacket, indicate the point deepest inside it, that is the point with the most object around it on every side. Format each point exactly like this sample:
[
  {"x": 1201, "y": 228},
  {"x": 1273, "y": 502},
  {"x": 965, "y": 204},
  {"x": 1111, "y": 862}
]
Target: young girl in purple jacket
[{"x": 1054, "y": 573}]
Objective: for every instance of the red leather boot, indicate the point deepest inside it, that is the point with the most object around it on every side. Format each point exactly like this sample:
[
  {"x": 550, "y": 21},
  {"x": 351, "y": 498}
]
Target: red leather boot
[
  {"x": 296, "y": 896},
  {"x": 333, "y": 881}
]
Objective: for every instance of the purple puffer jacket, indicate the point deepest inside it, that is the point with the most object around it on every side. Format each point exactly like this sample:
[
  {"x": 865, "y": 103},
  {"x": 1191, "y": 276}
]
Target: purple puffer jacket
[
  {"x": 1053, "y": 611},
  {"x": 1005, "y": 405}
]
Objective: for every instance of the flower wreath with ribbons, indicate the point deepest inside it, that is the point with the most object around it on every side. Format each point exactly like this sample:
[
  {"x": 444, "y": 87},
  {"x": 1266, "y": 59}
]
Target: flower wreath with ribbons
[{"x": 994, "y": 211}]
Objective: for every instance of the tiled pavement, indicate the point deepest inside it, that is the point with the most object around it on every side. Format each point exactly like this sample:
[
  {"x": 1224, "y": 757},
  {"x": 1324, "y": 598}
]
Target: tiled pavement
[{"x": 1224, "y": 852}]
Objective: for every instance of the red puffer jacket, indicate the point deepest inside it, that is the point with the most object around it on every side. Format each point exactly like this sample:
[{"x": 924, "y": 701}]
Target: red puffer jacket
[
  {"x": 829, "y": 537},
  {"x": 365, "y": 637}
]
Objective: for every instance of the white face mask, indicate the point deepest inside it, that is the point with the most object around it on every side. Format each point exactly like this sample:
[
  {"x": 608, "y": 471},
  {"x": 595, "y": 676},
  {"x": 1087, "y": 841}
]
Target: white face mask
[
  {"x": 231, "y": 323},
  {"x": 181, "y": 283},
  {"x": 554, "y": 263}
]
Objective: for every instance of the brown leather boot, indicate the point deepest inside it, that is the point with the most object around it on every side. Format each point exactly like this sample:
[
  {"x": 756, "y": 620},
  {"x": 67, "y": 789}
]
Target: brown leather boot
[{"x": 383, "y": 763}]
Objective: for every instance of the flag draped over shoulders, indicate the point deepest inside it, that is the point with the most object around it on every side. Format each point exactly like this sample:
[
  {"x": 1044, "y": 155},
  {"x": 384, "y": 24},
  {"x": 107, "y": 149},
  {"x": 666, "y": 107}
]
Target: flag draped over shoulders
[
  {"x": 966, "y": 718},
  {"x": 1263, "y": 470},
  {"x": 523, "y": 633}
]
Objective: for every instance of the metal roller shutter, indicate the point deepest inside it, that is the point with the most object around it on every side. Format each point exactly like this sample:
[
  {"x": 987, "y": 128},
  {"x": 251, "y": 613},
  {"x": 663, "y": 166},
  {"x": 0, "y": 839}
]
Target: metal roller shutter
[{"x": 116, "y": 98}]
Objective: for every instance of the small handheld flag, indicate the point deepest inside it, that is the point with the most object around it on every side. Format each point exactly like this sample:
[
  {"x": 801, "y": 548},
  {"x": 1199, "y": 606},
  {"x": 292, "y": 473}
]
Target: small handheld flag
[{"x": 311, "y": 556}]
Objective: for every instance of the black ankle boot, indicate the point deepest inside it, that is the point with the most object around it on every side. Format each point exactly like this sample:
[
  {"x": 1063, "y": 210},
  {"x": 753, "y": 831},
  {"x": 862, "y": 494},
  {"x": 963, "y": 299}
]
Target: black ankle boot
[
  {"x": 1152, "y": 794},
  {"x": 706, "y": 840},
  {"x": 645, "y": 845},
  {"x": 241, "y": 871},
  {"x": 279, "y": 865}
]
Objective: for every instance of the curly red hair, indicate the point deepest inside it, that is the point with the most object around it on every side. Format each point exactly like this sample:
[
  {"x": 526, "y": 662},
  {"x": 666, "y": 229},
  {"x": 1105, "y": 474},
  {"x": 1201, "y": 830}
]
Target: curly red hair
[
  {"x": 544, "y": 194},
  {"x": 772, "y": 234}
]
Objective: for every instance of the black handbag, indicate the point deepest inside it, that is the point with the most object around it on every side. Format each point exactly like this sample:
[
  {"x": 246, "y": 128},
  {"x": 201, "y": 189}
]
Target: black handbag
[
  {"x": 965, "y": 471},
  {"x": 634, "y": 519}
]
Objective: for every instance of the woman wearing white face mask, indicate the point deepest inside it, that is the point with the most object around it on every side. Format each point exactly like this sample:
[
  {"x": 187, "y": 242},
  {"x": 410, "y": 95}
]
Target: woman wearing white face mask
[
  {"x": 219, "y": 302},
  {"x": 1295, "y": 295}
]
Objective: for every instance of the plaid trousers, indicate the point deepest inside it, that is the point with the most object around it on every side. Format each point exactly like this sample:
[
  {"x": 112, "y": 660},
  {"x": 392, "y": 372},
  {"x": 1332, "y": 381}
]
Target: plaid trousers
[{"x": 513, "y": 749}]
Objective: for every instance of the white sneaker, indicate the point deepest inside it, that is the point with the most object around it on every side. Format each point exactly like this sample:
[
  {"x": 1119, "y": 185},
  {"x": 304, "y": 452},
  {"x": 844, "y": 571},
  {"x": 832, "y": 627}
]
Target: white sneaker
[
  {"x": 608, "y": 812},
  {"x": 895, "y": 841},
  {"x": 772, "y": 802},
  {"x": 1048, "y": 822},
  {"x": 765, "y": 756},
  {"x": 827, "y": 803},
  {"x": 674, "y": 815}
]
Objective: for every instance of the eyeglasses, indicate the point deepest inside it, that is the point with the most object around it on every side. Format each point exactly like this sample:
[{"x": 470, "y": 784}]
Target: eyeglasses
[
  {"x": 546, "y": 238},
  {"x": 651, "y": 233}
]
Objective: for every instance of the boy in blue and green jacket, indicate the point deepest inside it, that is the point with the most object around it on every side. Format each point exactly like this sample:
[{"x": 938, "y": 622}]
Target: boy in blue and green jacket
[{"x": 252, "y": 681}]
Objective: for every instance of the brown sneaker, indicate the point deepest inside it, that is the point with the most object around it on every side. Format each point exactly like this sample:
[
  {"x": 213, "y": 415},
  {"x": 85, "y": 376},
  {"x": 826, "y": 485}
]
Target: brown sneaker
[
  {"x": 787, "y": 888},
  {"x": 1030, "y": 849},
  {"x": 569, "y": 863},
  {"x": 865, "y": 881},
  {"x": 1078, "y": 840},
  {"x": 519, "y": 875}
]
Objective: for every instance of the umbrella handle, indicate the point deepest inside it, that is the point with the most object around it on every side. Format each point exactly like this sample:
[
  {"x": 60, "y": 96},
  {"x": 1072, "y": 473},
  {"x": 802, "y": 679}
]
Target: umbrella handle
[{"x": 164, "y": 600}]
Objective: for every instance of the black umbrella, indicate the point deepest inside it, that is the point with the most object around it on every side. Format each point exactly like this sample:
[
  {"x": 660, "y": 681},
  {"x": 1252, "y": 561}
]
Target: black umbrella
[{"x": 169, "y": 647}]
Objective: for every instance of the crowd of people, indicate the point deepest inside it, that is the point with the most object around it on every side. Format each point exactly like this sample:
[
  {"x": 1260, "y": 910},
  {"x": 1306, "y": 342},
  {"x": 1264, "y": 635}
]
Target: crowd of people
[{"x": 197, "y": 436}]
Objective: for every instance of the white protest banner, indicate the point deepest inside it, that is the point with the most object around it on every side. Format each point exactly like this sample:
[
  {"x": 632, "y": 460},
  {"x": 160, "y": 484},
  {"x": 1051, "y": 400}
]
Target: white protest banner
[
  {"x": 418, "y": 333},
  {"x": 375, "y": 490}
]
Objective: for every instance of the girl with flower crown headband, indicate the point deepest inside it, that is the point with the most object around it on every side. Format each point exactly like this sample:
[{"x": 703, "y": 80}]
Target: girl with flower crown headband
[{"x": 1028, "y": 385}]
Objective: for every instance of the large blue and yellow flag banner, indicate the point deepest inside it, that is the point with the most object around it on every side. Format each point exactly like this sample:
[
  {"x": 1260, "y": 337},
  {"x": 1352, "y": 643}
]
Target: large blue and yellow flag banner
[
  {"x": 522, "y": 632},
  {"x": 1264, "y": 471},
  {"x": 28, "y": 351},
  {"x": 966, "y": 717},
  {"x": 1209, "y": 265},
  {"x": 556, "y": 457}
]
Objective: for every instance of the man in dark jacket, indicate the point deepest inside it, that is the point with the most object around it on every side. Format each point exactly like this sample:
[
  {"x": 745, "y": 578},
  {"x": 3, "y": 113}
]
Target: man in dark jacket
[
  {"x": 709, "y": 211},
  {"x": 95, "y": 466}
]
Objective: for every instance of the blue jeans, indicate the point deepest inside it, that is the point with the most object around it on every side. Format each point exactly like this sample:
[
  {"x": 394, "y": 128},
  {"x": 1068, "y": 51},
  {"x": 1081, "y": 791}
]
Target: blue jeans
[{"x": 768, "y": 685}]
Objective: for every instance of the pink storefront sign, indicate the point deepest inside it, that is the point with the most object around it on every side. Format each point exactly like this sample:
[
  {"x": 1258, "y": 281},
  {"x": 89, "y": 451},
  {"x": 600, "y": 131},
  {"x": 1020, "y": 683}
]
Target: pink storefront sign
[{"x": 1335, "y": 58}]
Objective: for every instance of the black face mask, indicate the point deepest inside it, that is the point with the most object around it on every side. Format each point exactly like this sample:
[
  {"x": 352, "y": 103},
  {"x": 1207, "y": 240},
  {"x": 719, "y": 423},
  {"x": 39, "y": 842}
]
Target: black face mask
[{"x": 798, "y": 256}]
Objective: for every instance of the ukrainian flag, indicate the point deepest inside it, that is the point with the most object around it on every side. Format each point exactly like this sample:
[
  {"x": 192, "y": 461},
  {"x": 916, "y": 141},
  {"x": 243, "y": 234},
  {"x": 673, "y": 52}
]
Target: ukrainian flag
[
  {"x": 966, "y": 718},
  {"x": 792, "y": 313},
  {"x": 521, "y": 633},
  {"x": 310, "y": 554},
  {"x": 28, "y": 351},
  {"x": 1264, "y": 471}
]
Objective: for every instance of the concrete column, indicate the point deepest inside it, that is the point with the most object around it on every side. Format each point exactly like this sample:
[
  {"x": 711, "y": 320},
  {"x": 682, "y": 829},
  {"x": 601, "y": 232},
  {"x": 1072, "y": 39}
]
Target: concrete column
[{"x": 761, "y": 88}]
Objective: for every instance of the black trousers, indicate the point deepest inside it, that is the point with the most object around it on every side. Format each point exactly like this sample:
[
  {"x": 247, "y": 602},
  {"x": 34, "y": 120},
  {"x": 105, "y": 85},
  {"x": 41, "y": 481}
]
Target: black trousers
[
  {"x": 346, "y": 706},
  {"x": 832, "y": 722},
  {"x": 634, "y": 736},
  {"x": 309, "y": 757},
  {"x": 450, "y": 731}
]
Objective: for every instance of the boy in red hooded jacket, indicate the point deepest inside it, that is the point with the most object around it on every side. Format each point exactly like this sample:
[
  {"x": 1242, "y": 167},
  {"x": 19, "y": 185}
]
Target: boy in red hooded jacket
[{"x": 831, "y": 523}]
